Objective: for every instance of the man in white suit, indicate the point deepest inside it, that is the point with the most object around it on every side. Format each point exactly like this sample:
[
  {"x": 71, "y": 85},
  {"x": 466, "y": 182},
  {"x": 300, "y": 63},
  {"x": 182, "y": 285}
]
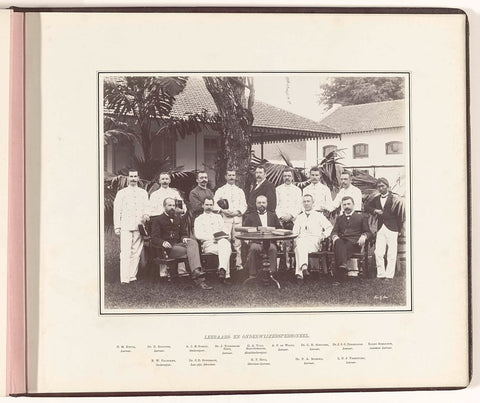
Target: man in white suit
[
  {"x": 130, "y": 210},
  {"x": 312, "y": 227}
]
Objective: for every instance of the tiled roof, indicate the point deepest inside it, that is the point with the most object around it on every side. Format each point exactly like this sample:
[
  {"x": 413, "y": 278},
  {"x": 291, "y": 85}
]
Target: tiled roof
[
  {"x": 195, "y": 98},
  {"x": 367, "y": 117}
]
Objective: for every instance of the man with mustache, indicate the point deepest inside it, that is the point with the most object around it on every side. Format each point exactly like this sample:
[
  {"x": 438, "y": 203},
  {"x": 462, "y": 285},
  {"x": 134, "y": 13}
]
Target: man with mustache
[
  {"x": 210, "y": 230},
  {"x": 157, "y": 197},
  {"x": 349, "y": 234},
  {"x": 232, "y": 216},
  {"x": 261, "y": 218},
  {"x": 322, "y": 198},
  {"x": 311, "y": 227},
  {"x": 169, "y": 233},
  {"x": 389, "y": 225},
  {"x": 262, "y": 188},
  {"x": 289, "y": 200},
  {"x": 199, "y": 193},
  {"x": 129, "y": 211},
  {"x": 347, "y": 189}
]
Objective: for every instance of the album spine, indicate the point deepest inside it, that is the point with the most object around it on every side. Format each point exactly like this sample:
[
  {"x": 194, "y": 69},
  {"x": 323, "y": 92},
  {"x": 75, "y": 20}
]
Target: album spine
[{"x": 16, "y": 366}]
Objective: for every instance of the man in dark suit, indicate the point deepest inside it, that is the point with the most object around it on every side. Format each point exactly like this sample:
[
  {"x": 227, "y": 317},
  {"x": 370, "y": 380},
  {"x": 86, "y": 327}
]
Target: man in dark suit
[
  {"x": 170, "y": 235},
  {"x": 262, "y": 188},
  {"x": 389, "y": 225},
  {"x": 349, "y": 234},
  {"x": 261, "y": 218}
]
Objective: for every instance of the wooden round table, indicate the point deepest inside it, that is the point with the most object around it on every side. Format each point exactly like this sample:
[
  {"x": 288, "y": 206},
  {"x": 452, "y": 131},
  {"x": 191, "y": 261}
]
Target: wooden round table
[{"x": 265, "y": 238}]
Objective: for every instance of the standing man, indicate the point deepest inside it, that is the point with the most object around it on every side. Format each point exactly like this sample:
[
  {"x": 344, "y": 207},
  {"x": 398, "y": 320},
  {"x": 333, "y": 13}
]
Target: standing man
[
  {"x": 311, "y": 227},
  {"x": 210, "y": 231},
  {"x": 349, "y": 234},
  {"x": 289, "y": 200},
  {"x": 129, "y": 211},
  {"x": 348, "y": 190},
  {"x": 262, "y": 188},
  {"x": 389, "y": 225},
  {"x": 322, "y": 198},
  {"x": 199, "y": 193},
  {"x": 169, "y": 233},
  {"x": 157, "y": 197},
  {"x": 261, "y": 218},
  {"x": 232, "y": 216}
]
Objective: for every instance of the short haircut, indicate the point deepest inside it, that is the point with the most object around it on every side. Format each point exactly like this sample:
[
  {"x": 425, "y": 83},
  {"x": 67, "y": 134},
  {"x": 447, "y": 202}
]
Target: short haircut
[
  {"x": 201, "y": 172},
  {"x": 290, "y": 170},
  {"x": 165, "y": 173},
  {"x": 266, "y": 198},
  {"x": 316, "y": 169},
  {"x": 132, "y": 170},
  {"x": 346, "y": 173},
  {"x": 260, "y": 167},
  {"x": 207, "y": 198},
  {"x": 166, "y": 199},
  {"x": 308, "y": 195},
  {"x": 230, "y": 170},
  {"x": 348, "y": 198}
]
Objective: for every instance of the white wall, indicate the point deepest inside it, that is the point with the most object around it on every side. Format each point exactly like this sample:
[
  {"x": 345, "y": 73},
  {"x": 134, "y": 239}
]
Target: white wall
[{"x": 377, "y": 155}]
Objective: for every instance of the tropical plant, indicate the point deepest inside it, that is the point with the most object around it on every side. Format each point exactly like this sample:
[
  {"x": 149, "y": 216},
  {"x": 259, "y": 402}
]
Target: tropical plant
[
  {"x": 144, "y": 100},
  {"x": 235, "y": 113}
]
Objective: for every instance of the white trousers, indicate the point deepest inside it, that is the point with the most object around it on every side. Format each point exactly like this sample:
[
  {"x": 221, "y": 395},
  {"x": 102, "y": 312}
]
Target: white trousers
[
  {"x": 223, "y": 249},
  {"x": 131, "y": 244},
  {"x": 303, "y": 246},
  {"x": 230, "y": 224},
  {"x": 386, "y": 241}
]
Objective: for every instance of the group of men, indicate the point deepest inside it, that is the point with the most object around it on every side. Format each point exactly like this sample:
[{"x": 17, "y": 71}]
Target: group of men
[{"x": 217, "y": 215}]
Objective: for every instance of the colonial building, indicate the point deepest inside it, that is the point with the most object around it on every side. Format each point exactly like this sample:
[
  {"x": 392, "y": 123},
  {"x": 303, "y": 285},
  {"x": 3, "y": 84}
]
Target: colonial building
[
  {"x": 199, "y": 150},
  {"x": 373, "y": 138}
]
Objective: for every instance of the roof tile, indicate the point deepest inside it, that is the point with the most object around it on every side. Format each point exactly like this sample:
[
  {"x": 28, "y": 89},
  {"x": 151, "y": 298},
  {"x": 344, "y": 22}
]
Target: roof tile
[{"x": 367, "y": 117}]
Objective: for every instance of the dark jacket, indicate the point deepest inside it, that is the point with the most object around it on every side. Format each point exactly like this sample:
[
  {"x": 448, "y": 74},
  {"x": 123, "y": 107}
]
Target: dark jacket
[
  {"x": 391, "y": 220},
  {"x": 265, "y": 189},
  {"x": 253, "y": 220},
  {"x": 165, "y": 230},
  {"x": 196, "y": 198},
  {"x": 351, "y": 229}
]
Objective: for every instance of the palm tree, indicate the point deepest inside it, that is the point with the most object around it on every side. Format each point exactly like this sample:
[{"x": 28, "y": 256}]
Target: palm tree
[{"x": 144, "y": 100}]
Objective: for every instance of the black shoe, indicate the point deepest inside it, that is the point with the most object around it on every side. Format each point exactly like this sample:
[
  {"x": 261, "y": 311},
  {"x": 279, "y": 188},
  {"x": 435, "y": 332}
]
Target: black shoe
[
  {"x": 197, "y": 273},
  {"x": 204, "y": 286},
  {"x": 227, "y": 281},
  {"x": 221, "y": 275},
  {"x": 299, "y": 279}
]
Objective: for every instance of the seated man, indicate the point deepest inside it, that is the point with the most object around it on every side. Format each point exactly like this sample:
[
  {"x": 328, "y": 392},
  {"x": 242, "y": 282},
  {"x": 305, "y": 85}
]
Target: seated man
[
  {"x": 169, "y": 233},
  {"x": 261, "y": 218},
  {"x": 349, "y": 234},
  {"x": 210, "y": 230},
  {"x": 311, "y": 227}
]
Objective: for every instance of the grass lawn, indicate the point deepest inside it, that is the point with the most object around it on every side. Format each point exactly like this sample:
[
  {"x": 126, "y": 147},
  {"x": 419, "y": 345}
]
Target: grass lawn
[{"x": 149, "y": 292}]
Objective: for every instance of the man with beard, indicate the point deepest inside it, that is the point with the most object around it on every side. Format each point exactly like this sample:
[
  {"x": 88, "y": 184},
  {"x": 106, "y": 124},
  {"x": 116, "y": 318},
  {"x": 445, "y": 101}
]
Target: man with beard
[
  {"x": 169, "y": 233},
  {"x": 349, "y": 234},
  {"x": 129, "y": 211},
  {"x": 157, "y": 197},
  {"x": 210, "y": 230},
  {"x": 261, "y": 218},
  {"x": 389, "y": 225},
  {"x": 262, "y": 188},
  {"x": 347, "y": 189},
  {"x": 199, "y": 193},
  {"x": 232, "y": 216}
]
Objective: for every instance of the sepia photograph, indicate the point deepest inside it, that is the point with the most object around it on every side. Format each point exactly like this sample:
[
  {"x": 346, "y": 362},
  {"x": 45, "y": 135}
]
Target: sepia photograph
[{"x": 263, "y": 192}]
